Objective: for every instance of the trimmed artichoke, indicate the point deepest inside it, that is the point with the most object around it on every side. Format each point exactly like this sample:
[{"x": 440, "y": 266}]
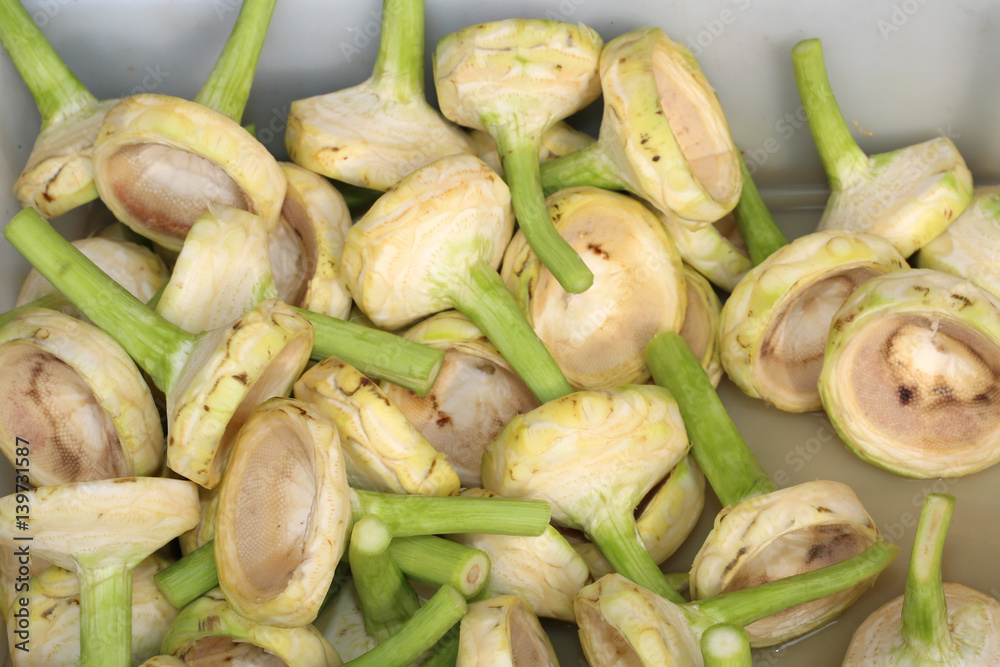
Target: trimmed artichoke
[
  {"x": 773, "y": 328},
  {"x": 514, "y": 79},
  {"x": 910, "y": 377},
  {"x": 306, "y": 246},
  {"x": 383, "y": 451},
  {"x": 594, "y": 455},
  {"x": 208, "y": 632},
  {"x": 75, "y": 400},
  {"x": 59, "y": 174},
  {"x": 503, "y": 631},
  {"x": 475, "y": 395},
  {"x": 102, "y": 530},
  {"x": 159, "y": 161},
  {"x": 931, "y": 623},
  {"x": 708, "y": 251},
  {"x": 968, "y": 246},
  {"x": 54, "y": 619},
  {"x": 204, "y": 291},
  {"x": 781, "y": 534},
  {"x": 908, "y": 196},
  {"x": 374, "y": 134},
  {"x": 283, "y": 514},
  {"x": 701, "y": 323},
  {"x": 598, "y": 338},
  {"x": 663, "y": 137},
  {"x": 432, "y": 243},
  {"x": 545, "y": 571}
]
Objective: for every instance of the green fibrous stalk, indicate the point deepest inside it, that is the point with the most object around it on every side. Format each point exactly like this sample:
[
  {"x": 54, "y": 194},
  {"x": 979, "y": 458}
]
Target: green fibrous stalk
[
  {"x": 434, "y": 561},
  {"x": 387, "y": 599},
  {"x": 757, "y": 227},
  {"x": 726, "y": 645}
]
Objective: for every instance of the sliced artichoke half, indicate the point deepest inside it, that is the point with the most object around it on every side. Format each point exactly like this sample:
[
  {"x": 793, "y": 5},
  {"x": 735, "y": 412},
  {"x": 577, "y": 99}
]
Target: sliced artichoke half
[{"x": 912, "y": 377}]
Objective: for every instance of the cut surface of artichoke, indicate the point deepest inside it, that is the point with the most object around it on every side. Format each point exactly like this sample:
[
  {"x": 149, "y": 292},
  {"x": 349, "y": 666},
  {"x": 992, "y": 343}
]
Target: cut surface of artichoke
[
  {"x": 911, "y": 381},
  {"x": 283, "y": 514},
  {"x": 773, "y": 328},
  {"x": 598, "y": 338},
  {"x": 76, "y": 396},
  {"x": 907, "y": 196},
  {"x": 475, "y": 395}
]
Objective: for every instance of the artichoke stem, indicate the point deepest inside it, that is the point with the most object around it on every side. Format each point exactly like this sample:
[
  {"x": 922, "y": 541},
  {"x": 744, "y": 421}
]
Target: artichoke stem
[
  {"x": 617, "y": 537},
  {"x": 421, "y": 632},
  {"x": 587, "y": 166},
  {"x": 726, "y": 645},
  {"x": 431, "y": 515},
  {"x": 745, "y": 606},
  {"x": 228, "y": 86},
  {"x": 925, "y": 610},
  {"x": 519, "y": 156},
  {"x": 375, "y": 353},
  {"x": 757, "y": 227},
  {"x": 157, "y": 346},
  {"x": 399, "y": 66},
  {"x": 490, "y": 305},
  {"x": 52, "y": 301},
  {"x": 445, "y": 652},
  {"x": 840, "y": 154},
  {"x": 724, "y": 457},
  {"x": 57, "y": 91},
  {"x": 435, "y": 561},
  {"x": 387, "y": 599},
  {"x": 190, "y": 577},
  {"x": 106, "y": 616}
]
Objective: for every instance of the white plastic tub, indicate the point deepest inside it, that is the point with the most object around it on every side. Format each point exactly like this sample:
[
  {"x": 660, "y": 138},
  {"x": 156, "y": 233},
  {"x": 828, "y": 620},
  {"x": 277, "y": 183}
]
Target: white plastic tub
[{"x": 903, "y": 71}]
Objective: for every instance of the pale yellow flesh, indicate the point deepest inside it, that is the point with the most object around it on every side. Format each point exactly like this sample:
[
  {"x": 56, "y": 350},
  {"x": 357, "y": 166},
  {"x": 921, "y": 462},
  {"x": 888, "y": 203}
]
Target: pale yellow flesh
[{"x": 219, "y": 651}]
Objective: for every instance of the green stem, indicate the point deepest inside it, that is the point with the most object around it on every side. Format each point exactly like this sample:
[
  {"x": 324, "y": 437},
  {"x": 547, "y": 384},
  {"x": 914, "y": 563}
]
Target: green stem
[
  {"x": 445, "y": 652},
  {"x": 421, "y": 632},
  {"x": 841, "y": 155},
  {"x": 157, "y": 346},
  {"x": 375, "y": 353},
  {"x": 617, "y": 537},
  {"x": 925, "y": 610},
  {"x": 435, "y": 515},
  {"x": 745, "y": 606},
  {"x": 587, "y": 166},
  {"x": 52, "y": 301},
  {"x": 106, "y": 616},
  {"x": 757, "y": 226},
  {"x": 724, "y": 457},
  {"x": 57, "y": 91},
  {"x": 399, "y": 66},
  {"x": 435, "y": 561},
  {"x": 726, "y": 645},
  {"x": 519, "y": 156},
  {"x": 485, "y": 300},
  {"x": 357, "y": 198},
  {"x": 387, "y": 599},
  {"x": 228, "y": 86},
  {"x": 190, "y": 577}
]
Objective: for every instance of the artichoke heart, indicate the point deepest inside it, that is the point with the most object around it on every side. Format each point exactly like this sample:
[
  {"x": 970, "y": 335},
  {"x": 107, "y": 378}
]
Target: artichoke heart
[
  {"x": 283, "y": 514},
  {"x": 475, "y": 394},
  {"x": 664, "y": 130},
  {"x": 912, "y": 377},
  {"x": 503, "y": 632},
  {"x": 159, "y": 161},
  {"x": 780, "y": 534},
  {"x": 383, "y": 451},
  {"x": 598, "y": 337},
  {"x": 209, "y": 632},
  {"x": 76, "y": 400},
  {"x": 306, "y": 246},
  {"x": 968, "y": 247},
  {"x": 773, "y": 328}
]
